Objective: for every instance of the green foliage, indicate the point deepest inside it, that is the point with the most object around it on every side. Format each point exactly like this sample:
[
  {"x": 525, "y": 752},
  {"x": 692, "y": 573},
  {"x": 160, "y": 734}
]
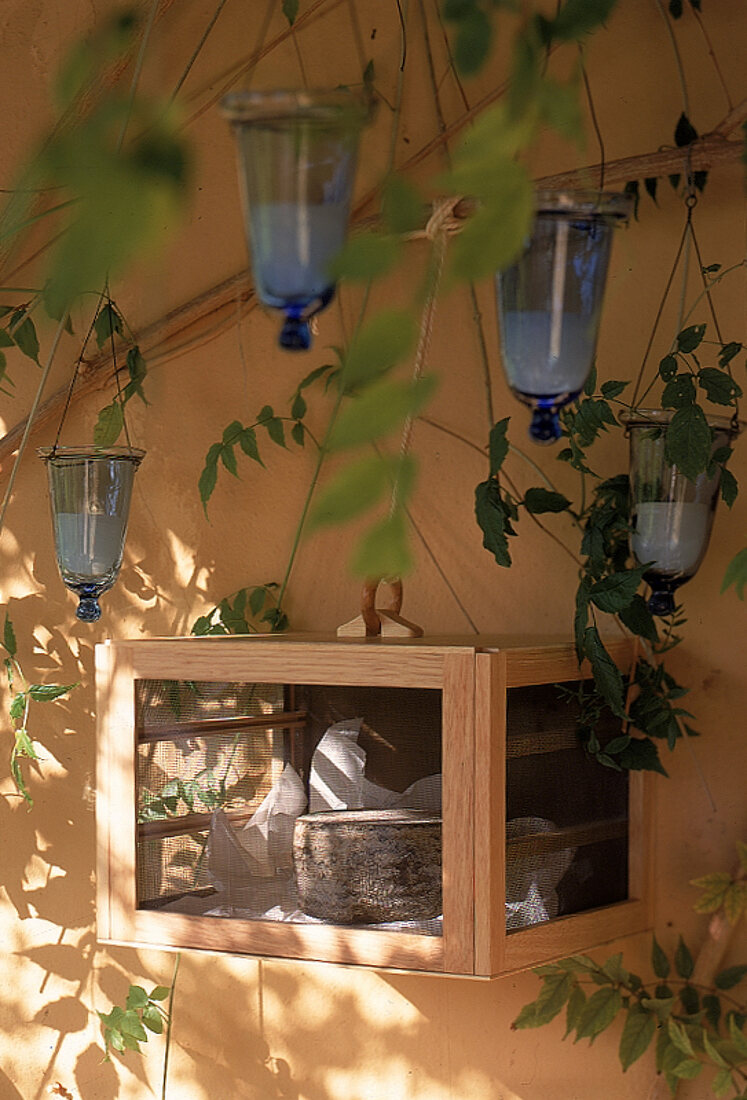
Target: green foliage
[
  {"x": 126, "y": 1028},
  {"x": 290, "y": 10},
  {"x": 121, "y": 172},
  {"x": 736, "y": 574},
  {"x": 686, "y": 1042},
  {"x": 22, "y": 694},
  {"x": 111, "y": 419},
  {"x": 245, "y": 612},
  {"x": 695, "y": 1029}
]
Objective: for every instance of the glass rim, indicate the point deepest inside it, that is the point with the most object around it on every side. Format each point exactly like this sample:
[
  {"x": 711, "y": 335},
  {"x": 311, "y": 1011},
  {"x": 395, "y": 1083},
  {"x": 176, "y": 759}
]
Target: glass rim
[
  {"x": 313, "y": 105},
  {"x": 659, "y": 418},
  {"x": 590, "y": 203},
  {"x": 90, "y": 451}
]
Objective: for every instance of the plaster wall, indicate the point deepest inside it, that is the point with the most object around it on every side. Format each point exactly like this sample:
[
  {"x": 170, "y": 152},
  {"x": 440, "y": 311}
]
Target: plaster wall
[{"x": 250, "y": 1030}]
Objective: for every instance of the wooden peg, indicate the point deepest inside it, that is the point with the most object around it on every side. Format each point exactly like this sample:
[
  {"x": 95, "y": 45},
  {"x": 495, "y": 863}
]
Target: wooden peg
[{"x": 383, "y": 621}]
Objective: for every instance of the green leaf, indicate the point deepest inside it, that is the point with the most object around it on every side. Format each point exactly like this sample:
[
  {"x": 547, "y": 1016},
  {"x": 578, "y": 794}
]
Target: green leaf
[
  {"x": 495, "y": 235},
  {"x": 298, "y": 407},
  {"x": 613, "y": 389},
  {"x": 359, "y": 486},
  {"x": 137, "y": 368},
  {"x": 366, "y": 256},
  {"x": 688, "y": 1069},
  {"x": 729, "y": 487},
  {"x": 679, "y": 1036},
  {"x": 381, "y": 409},
  {"x": 498, "y": 445},
  {"x": 690, "y": 338},
  {"x": 736, "y": 574},
  {"x": 46, "y": 692},
  {"x": 160, "y": 993},
  {"x": 688, "y": 441},
  {"x": 731, "y": 976},
  {"x": 642, "y": 755},
  {"x": 728, "y": 352},
  {"x": 616, "y": 591},
  {"x": 24, "y": 746},
  {"x": 737, "y": 1037},
  {"x": 538, "y": 501},
  {"x": 107, "y": 322},
  {"x": 577, "y": 18},
  {"x": 228, "y": 458},
  {"x": 491, "y": 517},
  {"x": 581, "y": 618},
  {"x": 290, "y": 10},
  {"x": 679, "y": 392},
  {"x": 23, "y": 331},
  {"x": 378, "y": 346},
  {"x": 152, "y": 1019},
  {"x": 722, "y": 1083},
  {"x": 599, "y": 1012},
  {"x": 556, "y": 989},
  {"x": 298, "y": 433},
  {"x": 248, "y": 444},
  {"x": 659, "y": 960},
  {"x": 257, "y": 598},
  {"x": 712, "y": 1010},
  {"x": 668, "y": 368},
  {"x": 109, "y": 425},
  {"x": 639, "y": 620},
  {"x": 401, "y": 206},
  {"x": 575, "y": 1006},
  {"x": 719, "y": 386},
  {"x": 209, "y": 475},
  {"x": 137, "y": 997},
  {"x": 683, "y": 960},
  {"x": 18, "y": 705},
  {"x": 384, "y": 550},
  {"x": 638, "y": 1031},
  {"x": 131, "y": 1025},
  {"x": 9, "y": 636},
  {"x": 472, "y": 44},
  {"x": 606, "y": 674}
]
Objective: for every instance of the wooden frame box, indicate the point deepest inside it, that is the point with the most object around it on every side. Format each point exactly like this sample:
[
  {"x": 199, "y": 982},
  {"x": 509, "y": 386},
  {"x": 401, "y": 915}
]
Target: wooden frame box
[{"x": 506, "y": 746}]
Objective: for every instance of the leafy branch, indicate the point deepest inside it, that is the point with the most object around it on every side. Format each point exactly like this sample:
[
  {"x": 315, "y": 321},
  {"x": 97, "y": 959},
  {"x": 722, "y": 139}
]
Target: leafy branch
[
  {"x": 22, "y": 695},
  {"x": 696, "y": 1026}
]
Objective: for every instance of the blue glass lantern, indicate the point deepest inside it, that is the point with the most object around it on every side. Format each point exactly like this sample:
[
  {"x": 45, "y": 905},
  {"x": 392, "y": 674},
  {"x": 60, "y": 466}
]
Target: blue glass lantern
[
  {"x": 90, "y": 490},
  {"x": 671, "y": 516},
  {"x": 297, "y": 154},
  {"x": 550, "y": 301}
]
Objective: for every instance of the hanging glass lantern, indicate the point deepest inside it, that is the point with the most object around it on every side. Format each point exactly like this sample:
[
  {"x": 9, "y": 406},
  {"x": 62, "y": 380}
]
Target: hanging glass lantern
[
  {"x": 550, "y": 301},
  {"x": 297, "y": 154},
  {"x": 90, "y": 490},
  {"x": 671, "y": 517}
]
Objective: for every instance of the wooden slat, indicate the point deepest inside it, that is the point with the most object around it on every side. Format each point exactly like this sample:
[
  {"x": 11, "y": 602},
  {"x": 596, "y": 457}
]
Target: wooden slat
[
  {"x": 277, "y": 939},
  {"x": 490, "y": 812},
  {"x": 211, "y": 727},
  {"x": 458, "y": 751},
  {"x": 547, "y": 664},
  {"x": 572, "y": 836},
  {"x": 556, "y": 939}
]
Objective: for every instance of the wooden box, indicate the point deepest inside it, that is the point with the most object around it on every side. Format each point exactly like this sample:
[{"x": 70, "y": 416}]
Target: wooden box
[{"x": 210, "y": 748}]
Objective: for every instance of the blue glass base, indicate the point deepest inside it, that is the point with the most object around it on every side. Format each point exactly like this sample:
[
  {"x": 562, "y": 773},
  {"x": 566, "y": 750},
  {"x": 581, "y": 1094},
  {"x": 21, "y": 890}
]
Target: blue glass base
[
  {"x": 545, "y": 426},
  {"x": 88, "y": 610},
  {"x": 661, "y": 601},
  {"x": 295, "y": 335}
]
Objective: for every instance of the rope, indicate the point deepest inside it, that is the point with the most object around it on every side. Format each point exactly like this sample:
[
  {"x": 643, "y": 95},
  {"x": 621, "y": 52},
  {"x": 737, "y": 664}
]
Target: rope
[{"x": 442, "y": 224}]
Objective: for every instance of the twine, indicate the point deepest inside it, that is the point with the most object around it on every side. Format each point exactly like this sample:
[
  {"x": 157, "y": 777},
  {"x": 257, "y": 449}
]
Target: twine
[{"x": 442, "y": 224}]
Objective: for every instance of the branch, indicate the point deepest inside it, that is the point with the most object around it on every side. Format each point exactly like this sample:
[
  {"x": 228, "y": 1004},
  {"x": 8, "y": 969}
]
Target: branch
[{"x": 199, "y": 318}]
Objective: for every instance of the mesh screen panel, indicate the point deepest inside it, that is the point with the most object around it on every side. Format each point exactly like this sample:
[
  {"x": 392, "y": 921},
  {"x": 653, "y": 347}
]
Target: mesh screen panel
[
  {"x": 567, "y": 817},
  {"x": 225, "y": 771}
]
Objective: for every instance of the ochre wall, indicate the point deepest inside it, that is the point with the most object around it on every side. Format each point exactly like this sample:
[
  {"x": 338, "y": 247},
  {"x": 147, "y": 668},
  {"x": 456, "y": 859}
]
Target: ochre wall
[{"x": 247, "y": 1029}]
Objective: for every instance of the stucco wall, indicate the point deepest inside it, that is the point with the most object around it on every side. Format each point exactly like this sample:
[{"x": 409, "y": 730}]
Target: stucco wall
[{"x": 248, "y": 1029}]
